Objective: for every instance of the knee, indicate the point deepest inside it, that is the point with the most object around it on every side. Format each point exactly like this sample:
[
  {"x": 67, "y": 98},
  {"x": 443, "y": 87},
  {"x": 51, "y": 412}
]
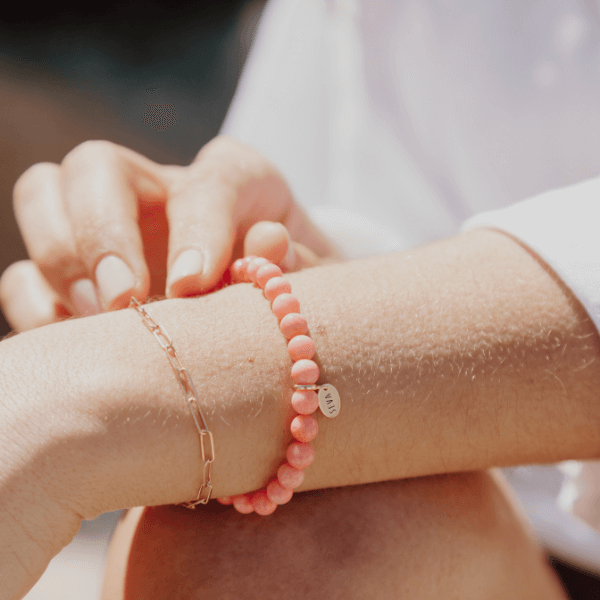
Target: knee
[{"x": 453, "y": 535}]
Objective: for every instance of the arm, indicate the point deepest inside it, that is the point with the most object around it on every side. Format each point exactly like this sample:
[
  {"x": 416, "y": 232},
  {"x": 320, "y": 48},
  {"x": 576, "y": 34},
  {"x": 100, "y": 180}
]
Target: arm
[{"x": 461, "y": 355}]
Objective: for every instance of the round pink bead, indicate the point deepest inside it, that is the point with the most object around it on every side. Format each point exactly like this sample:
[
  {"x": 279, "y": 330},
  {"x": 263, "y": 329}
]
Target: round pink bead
[
  {"x": 262, "y": 505},
  {"x": 304, "y": 428},
  {"x": 305, "y": 372},
  {"x": 292, "y": 325},
  {"x": 277, "y": 286},
  {"x": 254, "y": 266},
  {"x": 305, "y": 402},
  {"x": 278, "y": 494},
  {"x": 301, "y": 346},
  {"x": 239, "y": 268},
  {"x": 300, "y": 454},
  {"x": 285, "y": 304},
  {"x": 266, "y": 273},
  {"x": 289, "y": 477},
  {"x": 242, "y": 504},
  {"x": 226, "y": 500}
]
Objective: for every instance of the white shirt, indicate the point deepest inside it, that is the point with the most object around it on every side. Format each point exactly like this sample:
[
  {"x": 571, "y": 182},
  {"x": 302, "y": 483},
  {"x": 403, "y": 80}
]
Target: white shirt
[{"x": 401, "y": 122}]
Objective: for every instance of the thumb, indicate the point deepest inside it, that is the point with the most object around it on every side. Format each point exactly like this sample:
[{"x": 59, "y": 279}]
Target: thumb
[{"x": 273, "y": 241}]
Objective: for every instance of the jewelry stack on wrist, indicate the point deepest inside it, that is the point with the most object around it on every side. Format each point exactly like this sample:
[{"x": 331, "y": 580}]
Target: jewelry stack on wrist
[
  {"x": 207, "y": 445},
  {"x": 305, "y": 400}
]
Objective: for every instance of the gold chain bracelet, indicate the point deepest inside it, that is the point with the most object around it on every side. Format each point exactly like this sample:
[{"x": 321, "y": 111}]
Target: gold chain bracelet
[{"x": 189, "y": 393}]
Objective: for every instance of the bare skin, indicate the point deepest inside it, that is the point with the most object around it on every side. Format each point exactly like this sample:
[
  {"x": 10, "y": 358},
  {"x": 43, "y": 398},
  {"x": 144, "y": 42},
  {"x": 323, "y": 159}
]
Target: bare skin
[
  {"x": 444, "y": 364},
  {"x": 446, "y": 536},
  {"x": 107, "y": 201}
]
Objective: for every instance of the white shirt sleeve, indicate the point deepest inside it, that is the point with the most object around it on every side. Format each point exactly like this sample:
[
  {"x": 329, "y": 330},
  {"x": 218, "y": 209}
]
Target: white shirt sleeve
[
  {"x": 563, "y": 228},
  {"x": 355, "y": 234}
]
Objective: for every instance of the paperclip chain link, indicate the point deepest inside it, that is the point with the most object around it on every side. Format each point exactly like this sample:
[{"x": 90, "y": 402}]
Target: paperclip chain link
[{"x": 189, "y": 393}]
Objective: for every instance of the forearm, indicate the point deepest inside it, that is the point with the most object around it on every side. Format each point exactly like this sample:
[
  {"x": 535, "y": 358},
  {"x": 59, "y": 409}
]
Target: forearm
[
  {"x": 461, "y": 355},
  {"x": 85, "y": 411},
  {"x": 464, "y": 354}
]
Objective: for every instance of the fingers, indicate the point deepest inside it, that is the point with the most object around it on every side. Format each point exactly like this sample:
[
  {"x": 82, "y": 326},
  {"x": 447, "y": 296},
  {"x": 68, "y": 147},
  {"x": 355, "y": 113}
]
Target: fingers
[
  {"x": 227, "y": 189},
  {"x": 204, "y": 212},
  {"x": 98, "y": 224},
  {"x": 80, "y": 220},
  {"x": 26, "y": 298},
  {"x": 103, "y": 195},
  {"x": 46, "y": 230}
]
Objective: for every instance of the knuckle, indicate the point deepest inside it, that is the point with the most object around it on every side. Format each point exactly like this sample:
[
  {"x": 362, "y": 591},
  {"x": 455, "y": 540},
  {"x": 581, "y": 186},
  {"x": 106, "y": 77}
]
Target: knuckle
[
  {"x": 90, "y": 152},
  {"x": 172, "y": 174},
  {"x": 31, "y": 180},
  {"x": 220, "y": 143},
  {"x": 230, "y": 151},
  {"x": 227, "y": 163},
  {"x": 94, "y": 237},
  {"x": 105, "y": 228},
  {"x": 57, "y": 261}
]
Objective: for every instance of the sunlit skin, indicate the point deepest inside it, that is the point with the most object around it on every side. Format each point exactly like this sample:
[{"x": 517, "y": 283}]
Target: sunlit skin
[
  {"x": 106, "y": 201},
  {"x": 470, "y": 381},
  {"x": 448, "y": 358}
]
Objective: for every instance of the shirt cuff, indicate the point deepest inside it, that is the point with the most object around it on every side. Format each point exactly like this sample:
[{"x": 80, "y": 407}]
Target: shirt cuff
[{"x": 563, "y": 228}]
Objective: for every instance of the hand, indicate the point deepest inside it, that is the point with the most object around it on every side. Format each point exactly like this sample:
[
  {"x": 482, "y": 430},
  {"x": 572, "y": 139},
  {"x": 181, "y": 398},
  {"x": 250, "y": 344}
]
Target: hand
[{"x": 108, "y": 223}]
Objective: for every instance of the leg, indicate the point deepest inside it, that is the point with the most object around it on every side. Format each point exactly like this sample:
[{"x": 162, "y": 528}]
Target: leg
[{"x": 453, "y": 536}]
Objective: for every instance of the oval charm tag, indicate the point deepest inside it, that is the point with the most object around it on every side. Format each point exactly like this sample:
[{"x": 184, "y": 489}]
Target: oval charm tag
[{"x": 329, "y": 401}]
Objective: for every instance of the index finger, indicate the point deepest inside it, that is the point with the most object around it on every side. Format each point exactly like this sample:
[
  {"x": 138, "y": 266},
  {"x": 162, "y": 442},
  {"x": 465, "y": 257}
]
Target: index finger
[
  {"x": 103, "y": 187},
  {"x": 228, "y": 188}
]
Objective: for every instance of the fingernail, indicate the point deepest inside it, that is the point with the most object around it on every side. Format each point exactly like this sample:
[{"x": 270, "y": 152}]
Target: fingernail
[
  {"x": 83, "y": 296},
  {"x": 189, "y": 262},
  {"x": 114, "y": 278}
]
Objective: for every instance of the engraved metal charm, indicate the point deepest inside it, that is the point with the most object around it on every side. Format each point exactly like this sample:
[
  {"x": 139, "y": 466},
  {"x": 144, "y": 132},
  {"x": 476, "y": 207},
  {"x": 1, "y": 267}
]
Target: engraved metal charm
[{"x": 329, "y": 401}]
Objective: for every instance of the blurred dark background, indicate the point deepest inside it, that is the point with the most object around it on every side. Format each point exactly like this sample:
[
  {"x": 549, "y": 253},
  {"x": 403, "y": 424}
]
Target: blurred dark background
[{"x": 154, "y": 76}]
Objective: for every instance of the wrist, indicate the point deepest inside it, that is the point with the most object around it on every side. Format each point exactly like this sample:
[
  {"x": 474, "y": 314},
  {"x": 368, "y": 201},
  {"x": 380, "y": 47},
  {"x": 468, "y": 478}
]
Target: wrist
[
  {"x": 147, "y": 439},
  {"x": 105, "y": 410},
  {"x": 35, "y": 521},
  {"x": 231, "y": 345},
  {"x": 231, "y": 348}
]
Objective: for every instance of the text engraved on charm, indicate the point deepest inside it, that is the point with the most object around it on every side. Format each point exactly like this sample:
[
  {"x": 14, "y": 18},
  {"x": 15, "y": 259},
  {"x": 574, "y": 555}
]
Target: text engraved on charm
[{"x": 329, "y": 401}]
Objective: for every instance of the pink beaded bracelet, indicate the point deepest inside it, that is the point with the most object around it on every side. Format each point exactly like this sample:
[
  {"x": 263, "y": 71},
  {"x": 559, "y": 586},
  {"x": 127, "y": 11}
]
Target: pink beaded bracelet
[{"x": 305, "y": 399}]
